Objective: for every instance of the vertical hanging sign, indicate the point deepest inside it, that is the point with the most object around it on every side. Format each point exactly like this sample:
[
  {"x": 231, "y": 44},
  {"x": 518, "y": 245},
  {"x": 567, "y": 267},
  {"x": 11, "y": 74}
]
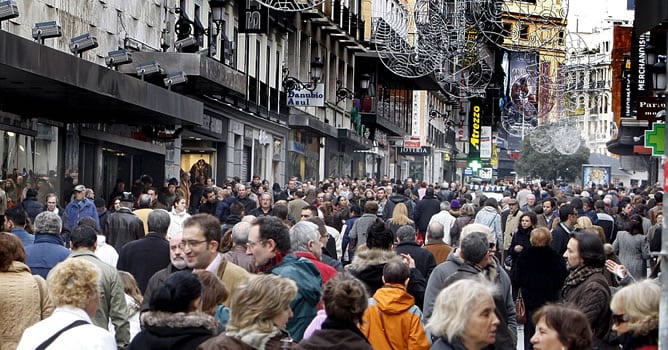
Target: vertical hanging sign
[{"x": 475, "y": 127}]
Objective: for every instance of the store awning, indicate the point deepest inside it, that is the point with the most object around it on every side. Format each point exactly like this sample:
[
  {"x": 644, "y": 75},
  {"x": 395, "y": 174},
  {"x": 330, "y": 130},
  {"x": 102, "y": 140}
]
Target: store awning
[
  {"x": 42, "y": 82},
  {"x": 305, "y": 121}
]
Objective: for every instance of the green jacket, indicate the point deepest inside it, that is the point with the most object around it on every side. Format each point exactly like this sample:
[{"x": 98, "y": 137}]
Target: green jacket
[
  {"x": 112, "y": 299},
  {"x": 309, "y": 284}
]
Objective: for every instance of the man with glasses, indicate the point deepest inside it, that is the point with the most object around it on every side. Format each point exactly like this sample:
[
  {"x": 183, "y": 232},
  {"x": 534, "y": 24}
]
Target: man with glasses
[
  {"x": 568, "y": 217},
  {"x": 201, "y": 245},
  {"x": 269, "y": 242}
]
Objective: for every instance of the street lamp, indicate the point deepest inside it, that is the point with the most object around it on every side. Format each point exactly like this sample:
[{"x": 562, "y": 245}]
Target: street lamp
[
  {"x": 217, "y": 17},
  {"x": 292, "y": 83},
  {"x": 343, "y": 93}
]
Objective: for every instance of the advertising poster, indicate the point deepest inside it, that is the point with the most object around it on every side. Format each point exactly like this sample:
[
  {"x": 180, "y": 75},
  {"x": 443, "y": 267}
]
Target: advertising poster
[
  {"x": 520, "y": 103},
  {"x": 475, "y": 127},
  {"x": 594, "y": 175}
]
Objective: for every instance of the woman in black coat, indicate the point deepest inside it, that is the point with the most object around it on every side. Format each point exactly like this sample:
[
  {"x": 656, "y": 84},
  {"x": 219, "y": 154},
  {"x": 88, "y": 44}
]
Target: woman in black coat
[
  {"x": 539, "y": 273},
  {"x": 175, "y": 320}
]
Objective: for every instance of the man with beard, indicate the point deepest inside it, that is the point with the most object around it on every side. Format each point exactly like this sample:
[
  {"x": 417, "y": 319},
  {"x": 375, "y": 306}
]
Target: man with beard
[{"x": 177, "y": 263}]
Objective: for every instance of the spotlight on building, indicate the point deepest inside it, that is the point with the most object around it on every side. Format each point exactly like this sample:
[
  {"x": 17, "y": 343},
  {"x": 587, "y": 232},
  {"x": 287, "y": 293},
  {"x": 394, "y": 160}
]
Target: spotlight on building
[
  {"x": 82, "y": 43},
  {"x": 175, "y": 78},
  {"x": 148, "y": 68},
  {"x": 117, "y": 58},
  {"x": 8, "y": 10},
  {"x": 46, "y": 30},
  {"x": 184, "y": 44}
]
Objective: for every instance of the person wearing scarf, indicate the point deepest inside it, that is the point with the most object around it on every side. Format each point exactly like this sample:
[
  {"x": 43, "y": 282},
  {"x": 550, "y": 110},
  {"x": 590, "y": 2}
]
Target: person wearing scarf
[
  {"x": 586, "y": 287},
  {"x": 260, "y": 310}
]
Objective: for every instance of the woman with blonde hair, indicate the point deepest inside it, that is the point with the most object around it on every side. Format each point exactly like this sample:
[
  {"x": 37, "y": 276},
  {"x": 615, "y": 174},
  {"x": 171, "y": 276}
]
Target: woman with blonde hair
[
  {"x": 464, "y": 316},
  {"x": 399, "y": 218},
  {"x": 260, "y": 310},
  {"x": 635, "y": 315},
  {"x": 584, "y": 222},
  {"x": 23, "y": 297},
  {"x": 73, "y": 288}
]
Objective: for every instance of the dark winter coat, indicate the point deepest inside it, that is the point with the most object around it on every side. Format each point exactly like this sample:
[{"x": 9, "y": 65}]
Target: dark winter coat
[
  {"x": 182, "y": 331},
  {"x": 335, "y": 336},
  {"x": 144, "y": 257},
  {"x": 592, "y": 296},
  {"x": 560, "y": 236},
  {"x": 424, "y": 210},
  {"x": 368, "y": 264},
  {"x": 47, "y": 251},
  {"x": 388, "y": 210},
  {"x": 424, "y": 259},
  {"x": 122, "y": 227},
  {"x": 32, "y": 207},
  {"x": 540, "y": 272}
]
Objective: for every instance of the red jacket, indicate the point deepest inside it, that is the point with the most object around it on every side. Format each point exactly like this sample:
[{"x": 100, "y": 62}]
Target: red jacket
[{"x": 326, "y": 271}]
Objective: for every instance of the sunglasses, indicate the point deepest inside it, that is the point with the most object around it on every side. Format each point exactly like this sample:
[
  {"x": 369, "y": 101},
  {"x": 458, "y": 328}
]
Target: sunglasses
[{"x": 617, "y": 318}]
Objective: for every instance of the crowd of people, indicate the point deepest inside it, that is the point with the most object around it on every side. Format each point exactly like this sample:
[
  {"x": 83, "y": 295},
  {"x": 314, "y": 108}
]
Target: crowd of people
[{"x": 339, "y": 264}]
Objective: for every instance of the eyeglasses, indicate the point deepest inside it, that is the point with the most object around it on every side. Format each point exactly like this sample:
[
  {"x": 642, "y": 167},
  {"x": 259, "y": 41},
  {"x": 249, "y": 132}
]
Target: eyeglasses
[
  {"x": 617, "y": 318},
  {"x": 190, "y": 243}
]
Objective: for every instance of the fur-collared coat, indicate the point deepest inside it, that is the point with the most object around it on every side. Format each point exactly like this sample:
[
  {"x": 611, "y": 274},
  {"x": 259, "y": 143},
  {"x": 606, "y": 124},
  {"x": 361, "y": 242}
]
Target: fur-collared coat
[
  {"x": 368, "y": 264},
  {"x": 165, "y": 330}
]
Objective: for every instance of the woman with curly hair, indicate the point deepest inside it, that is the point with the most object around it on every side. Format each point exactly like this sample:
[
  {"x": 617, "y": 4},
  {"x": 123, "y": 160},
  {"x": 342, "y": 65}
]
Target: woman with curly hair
[
  {"x": 561, "y": 327},
  {"x": 259, "y": 313},
  {"x": 73, "y": 288},
  {"x": 635, "y": 315},
  {"x": 345, "y": 302}
]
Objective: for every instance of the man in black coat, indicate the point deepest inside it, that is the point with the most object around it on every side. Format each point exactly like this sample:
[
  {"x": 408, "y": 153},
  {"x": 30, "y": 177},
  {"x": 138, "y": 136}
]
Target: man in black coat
[
  {"x": 123, "y": 226},
  {"x": 396, "y": 198},
  {"x": 568, "y": 217},
  {"x": 144, "y": 257},
  {"x": 424, "y": 259},
  {"x": 31, "y": 205},
  {"x": 425, "y": 209}
]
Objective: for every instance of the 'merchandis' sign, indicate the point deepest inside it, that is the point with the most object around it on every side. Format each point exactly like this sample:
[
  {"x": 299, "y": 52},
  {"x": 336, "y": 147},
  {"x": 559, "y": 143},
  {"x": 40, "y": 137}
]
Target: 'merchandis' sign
[{"x": 315, "y": 98}]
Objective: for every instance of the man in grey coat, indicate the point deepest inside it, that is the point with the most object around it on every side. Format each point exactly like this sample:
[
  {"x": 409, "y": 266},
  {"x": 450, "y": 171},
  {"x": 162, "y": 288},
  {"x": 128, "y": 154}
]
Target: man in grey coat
[{"x": 491, "y": 270}]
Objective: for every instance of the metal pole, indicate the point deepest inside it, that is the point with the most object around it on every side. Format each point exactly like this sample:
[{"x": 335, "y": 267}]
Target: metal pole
[{"x": 663, "y": 277}]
